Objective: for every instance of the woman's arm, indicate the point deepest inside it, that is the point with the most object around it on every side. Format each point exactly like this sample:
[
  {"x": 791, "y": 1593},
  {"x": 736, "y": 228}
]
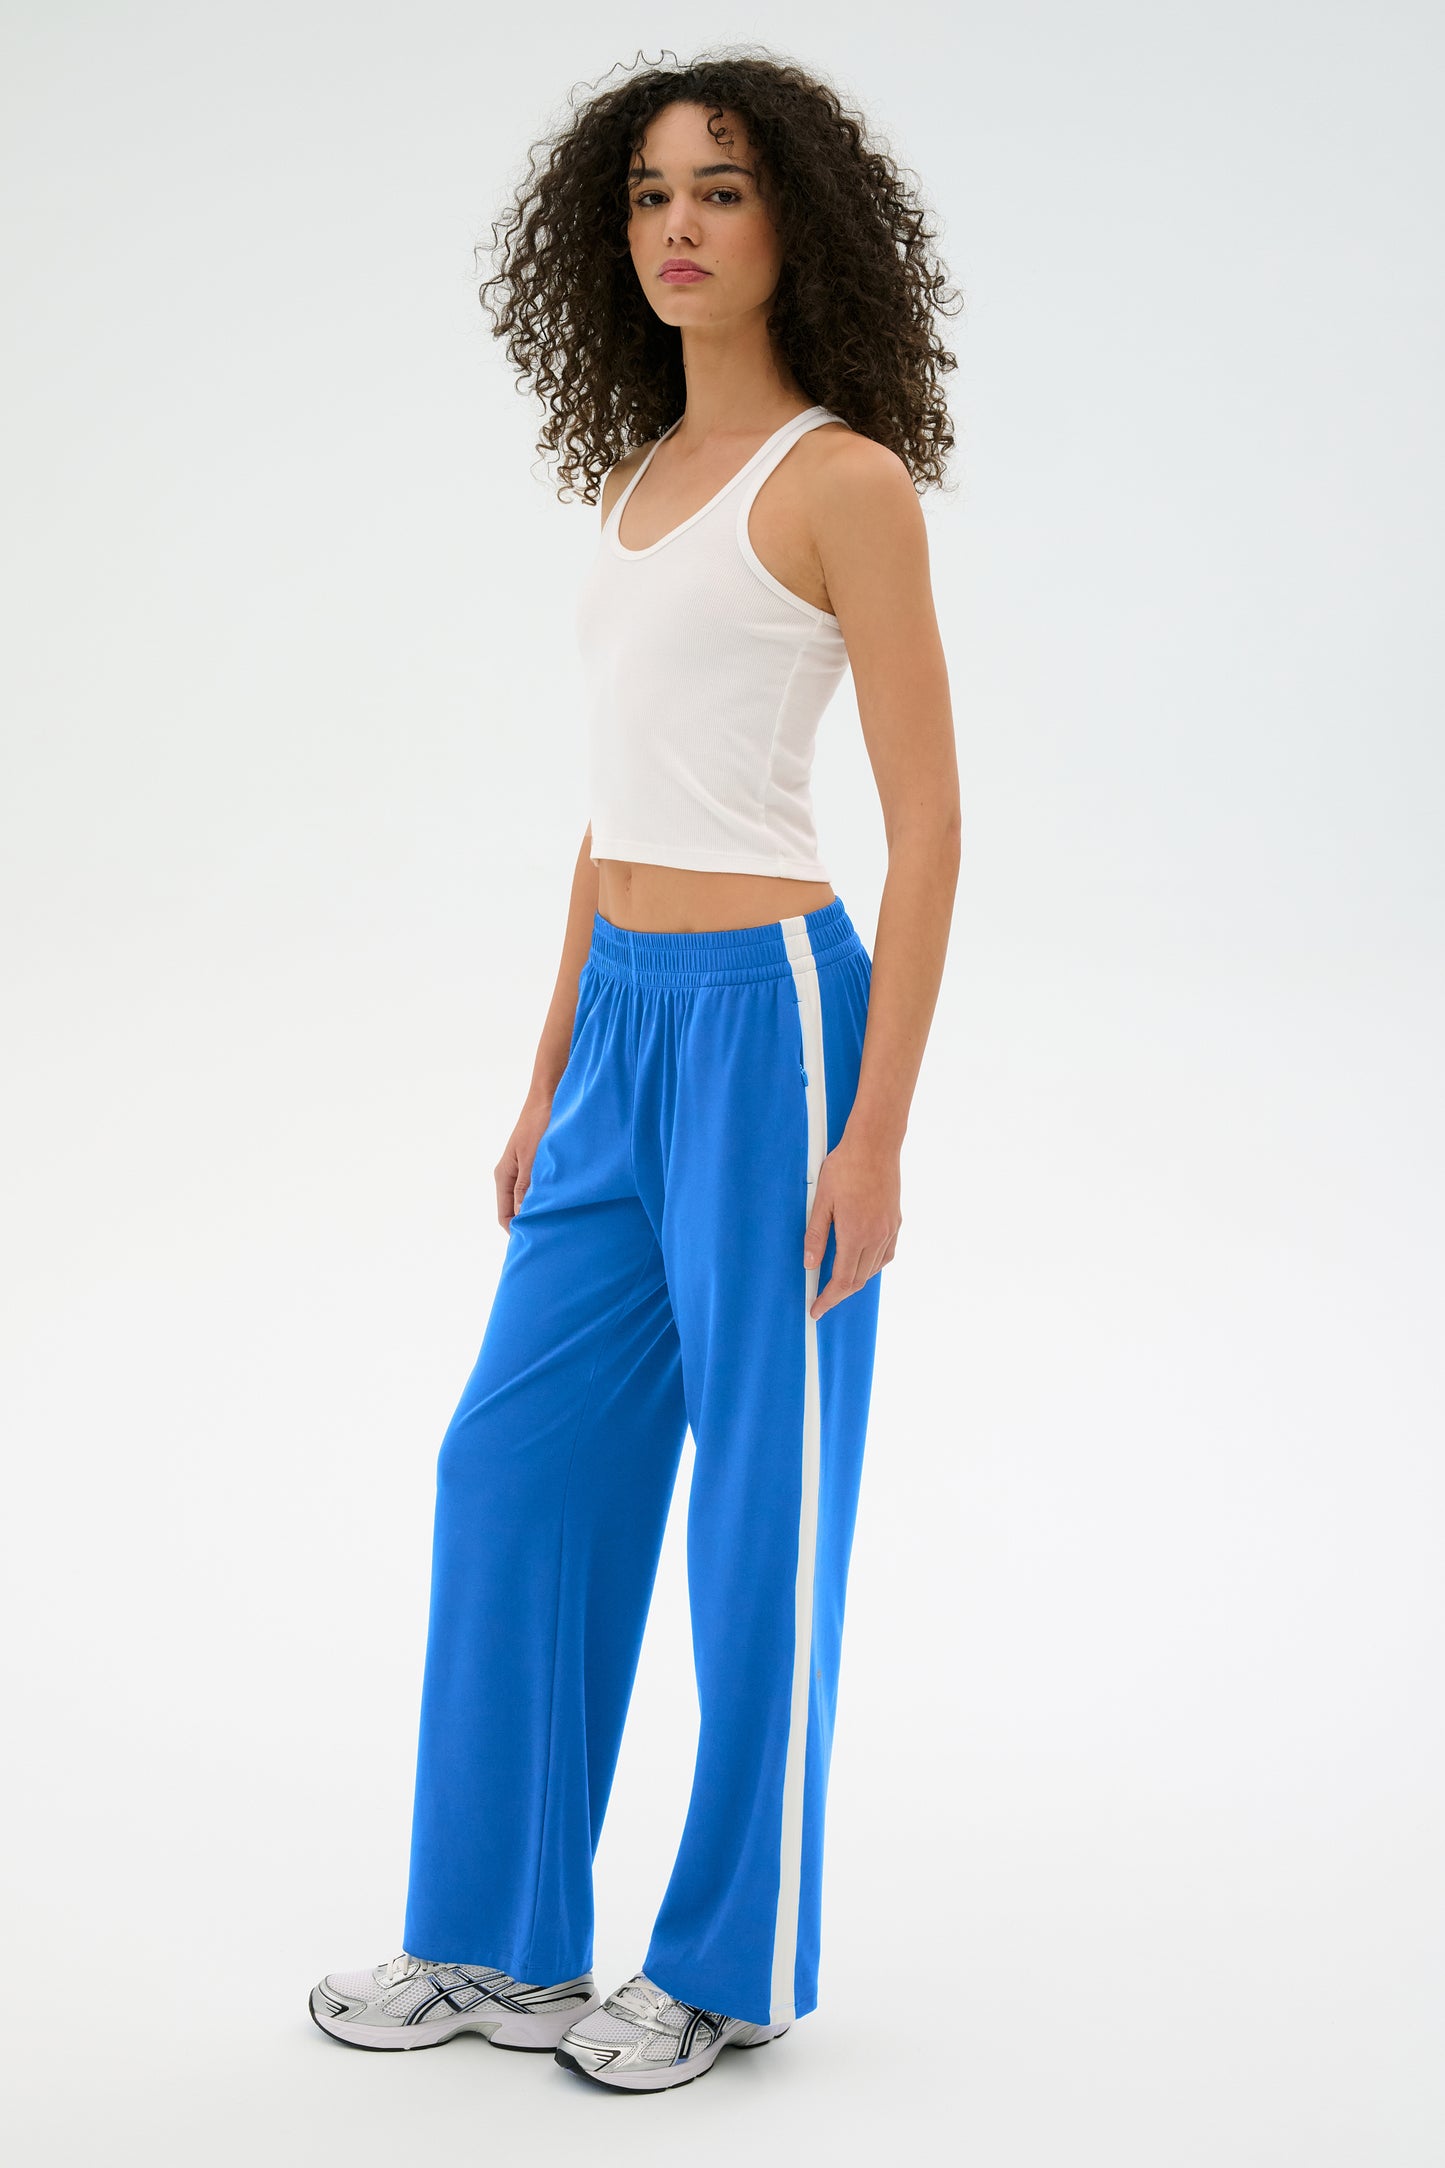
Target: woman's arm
[
  {"x": 513, "y": 1170},
  {"x": 873, "y": 552}
]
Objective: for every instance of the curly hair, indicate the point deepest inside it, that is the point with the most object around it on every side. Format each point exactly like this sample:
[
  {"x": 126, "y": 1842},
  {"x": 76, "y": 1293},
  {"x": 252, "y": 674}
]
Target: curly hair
[{"x": 854, "y": 310}]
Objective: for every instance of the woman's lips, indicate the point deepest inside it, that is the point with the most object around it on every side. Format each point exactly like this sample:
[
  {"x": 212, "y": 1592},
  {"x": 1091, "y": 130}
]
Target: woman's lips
[{"x": 682, "y": 274}]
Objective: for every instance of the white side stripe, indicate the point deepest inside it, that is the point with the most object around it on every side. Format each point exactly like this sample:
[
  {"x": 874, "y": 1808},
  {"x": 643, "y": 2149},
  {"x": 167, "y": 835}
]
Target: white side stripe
[{"x": 785, "y": 1935}]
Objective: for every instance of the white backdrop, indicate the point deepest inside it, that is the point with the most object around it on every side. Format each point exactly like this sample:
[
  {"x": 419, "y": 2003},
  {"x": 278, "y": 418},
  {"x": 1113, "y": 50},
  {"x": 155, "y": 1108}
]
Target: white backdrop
[{"x": 1134, "y": 1844}]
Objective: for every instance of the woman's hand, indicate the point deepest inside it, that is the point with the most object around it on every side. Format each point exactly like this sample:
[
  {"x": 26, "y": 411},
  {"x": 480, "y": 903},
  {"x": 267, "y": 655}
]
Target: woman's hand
[
  {"x": 513, "y": 1170},
  {"x": 858, "y": 1192}
]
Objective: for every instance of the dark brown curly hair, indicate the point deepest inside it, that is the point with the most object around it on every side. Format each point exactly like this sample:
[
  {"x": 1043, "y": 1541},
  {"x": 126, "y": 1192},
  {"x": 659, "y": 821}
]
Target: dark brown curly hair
[{"x": 855, "y": 306}]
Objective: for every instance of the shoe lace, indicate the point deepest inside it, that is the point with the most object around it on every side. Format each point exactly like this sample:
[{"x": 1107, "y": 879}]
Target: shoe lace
[
  {"x": 639, "y": 1998},
  {"x": 397, "y": 1969}
]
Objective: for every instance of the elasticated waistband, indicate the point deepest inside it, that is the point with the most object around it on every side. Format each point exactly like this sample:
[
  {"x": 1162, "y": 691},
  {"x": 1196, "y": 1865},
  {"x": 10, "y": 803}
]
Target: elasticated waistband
[{"x": 724, "y": 958}]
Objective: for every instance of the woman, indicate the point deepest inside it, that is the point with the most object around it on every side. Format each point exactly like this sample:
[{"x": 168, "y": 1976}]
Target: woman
[{"x": 703, "y": 1186}]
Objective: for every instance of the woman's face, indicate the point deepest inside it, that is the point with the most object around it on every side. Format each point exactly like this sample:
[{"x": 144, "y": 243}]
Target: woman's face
[{"x": 697, "y": 200}]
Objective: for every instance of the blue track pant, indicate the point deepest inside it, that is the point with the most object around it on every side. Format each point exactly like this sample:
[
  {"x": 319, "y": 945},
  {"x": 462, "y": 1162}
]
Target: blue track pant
[{"x": 654, "y": 1283}]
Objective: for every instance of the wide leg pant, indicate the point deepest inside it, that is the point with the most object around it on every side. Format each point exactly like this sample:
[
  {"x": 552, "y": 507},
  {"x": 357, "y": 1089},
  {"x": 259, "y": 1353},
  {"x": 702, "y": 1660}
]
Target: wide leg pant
[{"x": 654, "y": 1282}]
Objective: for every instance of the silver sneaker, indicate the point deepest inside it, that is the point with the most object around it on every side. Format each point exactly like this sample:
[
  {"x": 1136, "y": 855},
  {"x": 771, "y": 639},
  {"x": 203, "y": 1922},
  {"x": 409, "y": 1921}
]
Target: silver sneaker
[
  {"x": 641, "y": 2040},
  {"x": 407, "y": 2003}
]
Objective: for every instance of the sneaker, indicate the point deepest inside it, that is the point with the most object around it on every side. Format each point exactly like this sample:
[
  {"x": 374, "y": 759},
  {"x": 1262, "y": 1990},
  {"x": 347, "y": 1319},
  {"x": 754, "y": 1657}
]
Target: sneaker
[
  {"x": 407, "y": 2003},
  {"x": 642, "y": 2040}
]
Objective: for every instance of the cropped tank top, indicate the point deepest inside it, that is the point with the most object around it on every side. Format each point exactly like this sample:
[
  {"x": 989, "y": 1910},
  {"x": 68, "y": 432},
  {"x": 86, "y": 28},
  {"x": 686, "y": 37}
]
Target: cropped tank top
[{"x": 706, "y": 678}]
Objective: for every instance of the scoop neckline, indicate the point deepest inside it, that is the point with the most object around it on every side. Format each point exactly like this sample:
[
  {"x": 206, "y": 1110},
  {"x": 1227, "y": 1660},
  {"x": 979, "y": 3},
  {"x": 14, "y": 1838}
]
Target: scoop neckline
[{"x": 614, "y": 524}]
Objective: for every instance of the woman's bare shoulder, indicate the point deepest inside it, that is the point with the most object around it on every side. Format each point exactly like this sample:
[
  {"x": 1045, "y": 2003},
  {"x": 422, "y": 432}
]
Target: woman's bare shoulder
[{"x": 859, "y": 466}]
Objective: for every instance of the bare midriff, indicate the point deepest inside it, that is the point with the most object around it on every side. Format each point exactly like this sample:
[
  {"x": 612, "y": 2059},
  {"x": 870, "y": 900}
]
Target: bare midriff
[{"x": 676, "y": 899}]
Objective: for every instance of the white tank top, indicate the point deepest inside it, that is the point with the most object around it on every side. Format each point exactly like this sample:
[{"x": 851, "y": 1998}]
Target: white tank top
[{"x": 706, "y": 678}]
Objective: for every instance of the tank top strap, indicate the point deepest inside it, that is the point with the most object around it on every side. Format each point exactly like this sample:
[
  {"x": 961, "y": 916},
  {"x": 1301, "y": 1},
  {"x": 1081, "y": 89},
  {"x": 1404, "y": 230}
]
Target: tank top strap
[
  {"x": 615, "y": 515},
  {"x": 739, "y": 489},
  {"x": 759, "y": 468}
]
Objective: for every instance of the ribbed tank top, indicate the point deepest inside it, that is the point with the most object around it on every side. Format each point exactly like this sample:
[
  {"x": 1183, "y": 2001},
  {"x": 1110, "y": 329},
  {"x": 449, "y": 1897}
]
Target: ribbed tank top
[{"x": 706, "y": 678}]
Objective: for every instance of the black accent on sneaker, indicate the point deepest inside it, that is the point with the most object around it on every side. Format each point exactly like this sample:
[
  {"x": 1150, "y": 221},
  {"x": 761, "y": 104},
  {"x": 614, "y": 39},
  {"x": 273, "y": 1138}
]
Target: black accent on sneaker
[
  {"x": 570, "y": 2062},
  {"x": 417, "y": 2047},
  {"x": 635, "y": 2092}
]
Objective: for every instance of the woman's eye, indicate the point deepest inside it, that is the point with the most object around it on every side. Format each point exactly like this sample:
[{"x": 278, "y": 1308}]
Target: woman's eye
[{"x": 642, "y": 202}]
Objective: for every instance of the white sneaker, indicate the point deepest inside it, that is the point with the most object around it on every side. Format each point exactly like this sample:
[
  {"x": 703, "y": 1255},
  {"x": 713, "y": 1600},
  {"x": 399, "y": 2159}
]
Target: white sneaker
[
  {"x": 407, "y": 2003},
  {"x": 642, "y": 2040}
]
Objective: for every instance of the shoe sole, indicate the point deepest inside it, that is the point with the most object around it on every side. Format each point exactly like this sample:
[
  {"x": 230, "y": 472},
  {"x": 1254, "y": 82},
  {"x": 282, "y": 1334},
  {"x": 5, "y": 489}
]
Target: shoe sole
[
  {"x": 526, "y": 2035},
  {"x": 649, "y": 2081}
]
